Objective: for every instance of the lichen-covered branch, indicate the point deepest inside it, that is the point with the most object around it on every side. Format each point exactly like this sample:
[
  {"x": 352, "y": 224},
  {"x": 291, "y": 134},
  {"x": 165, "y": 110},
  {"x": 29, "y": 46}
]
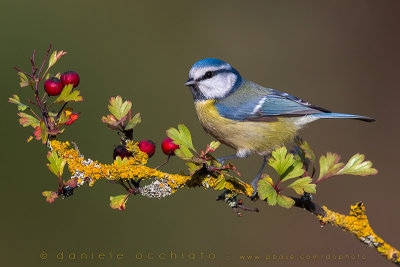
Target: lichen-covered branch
[
  {"x": 87, "y": 170},
  {"x": 356, "y": 223}
]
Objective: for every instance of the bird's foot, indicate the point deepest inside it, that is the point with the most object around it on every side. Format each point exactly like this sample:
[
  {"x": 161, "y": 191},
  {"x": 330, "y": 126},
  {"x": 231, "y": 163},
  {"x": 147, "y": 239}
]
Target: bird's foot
[
  {"x": 221, "y": 160},
  {"x": 254, "y": 196}
]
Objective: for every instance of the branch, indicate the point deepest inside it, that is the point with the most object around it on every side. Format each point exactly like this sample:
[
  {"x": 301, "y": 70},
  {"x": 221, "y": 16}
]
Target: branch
[
  {"x": 165, "y": 184},
  {"x": 356, "y": 223}
]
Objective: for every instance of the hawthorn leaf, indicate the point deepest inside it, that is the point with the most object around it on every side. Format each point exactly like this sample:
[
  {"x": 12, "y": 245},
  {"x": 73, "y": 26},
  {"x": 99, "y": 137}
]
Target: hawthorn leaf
[
  {"x": 303, "y": 185},
  {"x": 73, "y": 182},
  {"x": 111, "y": 121},
  {"x": 296, "y": 170},
  {"x": 28, "y": 120},
  {"x": 357, "y": 166},
  {"x": 118, "y": 108},
  {"x": 266, "y": 190},
  {"x": 184, "y": 153},
  {"x": 65, "y": 114},
  {"x": 118, "y": 202},
  {"x": 37, "y": 133},
  {"x": 212, "y": 147},
  {"x": 56, "y": 164},
  {"x": 43, "y": 132},
  {"x": 285, "y": 164},
  {"x": 55, "y": 56},
  {"x": 68, "y": 95},
  {"x": 73, "y": 117},
  {"x": 133, "y": 122},
  {"x": 181, "y": 136},
  {"x": 120, "y": 160},
  {"x": 23, "y": 79},
  {"x": 192, "y": 167},
  {"x": 329, "y": 165},
  {"x": 308, "y": 153},
  {"x": 50, "y": 196},
  {"x": 16, "y": 100},
  {"x": 285, "y": 201}
]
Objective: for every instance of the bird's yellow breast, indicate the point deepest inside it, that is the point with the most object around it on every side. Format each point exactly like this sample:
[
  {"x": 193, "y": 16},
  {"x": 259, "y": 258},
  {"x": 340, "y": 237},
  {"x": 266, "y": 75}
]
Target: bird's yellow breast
[{"x": 246, "y": 136}]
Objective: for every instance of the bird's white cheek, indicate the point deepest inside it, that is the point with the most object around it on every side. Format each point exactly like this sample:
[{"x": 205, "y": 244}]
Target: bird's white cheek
[
  {"x": 224, "y": 81},
  {"x": 218, "y": 86}
]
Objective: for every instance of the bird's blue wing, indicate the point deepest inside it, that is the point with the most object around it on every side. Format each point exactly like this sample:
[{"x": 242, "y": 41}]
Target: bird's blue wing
[{"x": 263, "y": 105}]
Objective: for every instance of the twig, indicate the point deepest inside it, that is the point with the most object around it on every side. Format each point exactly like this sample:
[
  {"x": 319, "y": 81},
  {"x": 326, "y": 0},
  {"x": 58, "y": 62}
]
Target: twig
[
  {"x": 165, "y": 162},
  {"x": 44, "y": 60},
  {"x": 27, "y": 74}
]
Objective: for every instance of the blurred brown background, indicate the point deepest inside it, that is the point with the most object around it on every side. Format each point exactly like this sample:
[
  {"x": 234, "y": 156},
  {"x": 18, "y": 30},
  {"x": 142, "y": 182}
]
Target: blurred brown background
[{"x": 341, "y": 55}]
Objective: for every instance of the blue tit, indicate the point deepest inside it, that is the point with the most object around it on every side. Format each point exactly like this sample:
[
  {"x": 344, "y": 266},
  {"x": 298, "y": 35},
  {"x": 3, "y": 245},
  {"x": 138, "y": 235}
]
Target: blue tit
[{"x": 246, "y": 116}]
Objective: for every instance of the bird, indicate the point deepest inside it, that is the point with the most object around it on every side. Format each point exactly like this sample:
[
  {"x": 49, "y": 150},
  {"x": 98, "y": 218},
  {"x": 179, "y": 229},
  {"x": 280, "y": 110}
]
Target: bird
[{"x": 248, "y": 117}]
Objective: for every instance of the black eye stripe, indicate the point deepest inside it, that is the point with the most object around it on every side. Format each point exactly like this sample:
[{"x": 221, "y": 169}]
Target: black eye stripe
[{"x": 213, "y": 73}]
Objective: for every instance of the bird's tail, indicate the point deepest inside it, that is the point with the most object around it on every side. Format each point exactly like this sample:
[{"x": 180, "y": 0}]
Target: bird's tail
[{"x": 342, "y": 116}]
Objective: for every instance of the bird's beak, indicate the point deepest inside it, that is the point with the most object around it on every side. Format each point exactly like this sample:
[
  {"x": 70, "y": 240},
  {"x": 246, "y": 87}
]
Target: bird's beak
[{"x": 190, "y": 82}]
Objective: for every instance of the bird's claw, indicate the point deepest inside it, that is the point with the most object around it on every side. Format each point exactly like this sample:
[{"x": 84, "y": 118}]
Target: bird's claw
[{"x": 254, "y": 196}]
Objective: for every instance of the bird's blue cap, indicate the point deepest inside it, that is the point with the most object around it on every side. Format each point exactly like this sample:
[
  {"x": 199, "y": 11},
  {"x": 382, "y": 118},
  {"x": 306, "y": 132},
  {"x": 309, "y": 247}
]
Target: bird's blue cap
[{"x": 209, "y": 62}]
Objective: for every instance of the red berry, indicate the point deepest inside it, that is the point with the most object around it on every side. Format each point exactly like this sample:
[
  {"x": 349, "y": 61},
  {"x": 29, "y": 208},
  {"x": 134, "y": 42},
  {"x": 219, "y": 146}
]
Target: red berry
[
  {"x": 168, "y": 147},
  {"x": 70, "y": 77},
  {"x": 148, "y": 147},
  {"x": 122, "y": 152},
  {"x": 53, "y": 86}
]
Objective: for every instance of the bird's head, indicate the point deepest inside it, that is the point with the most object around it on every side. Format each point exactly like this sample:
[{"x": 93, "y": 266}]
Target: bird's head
[{"x": 211, "y": 78}]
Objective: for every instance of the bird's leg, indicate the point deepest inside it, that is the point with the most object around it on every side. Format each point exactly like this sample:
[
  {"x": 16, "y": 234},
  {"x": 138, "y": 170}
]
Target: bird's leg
[
  {"x": 258, "y": 176},
  {"x": 221, "y": 160}
]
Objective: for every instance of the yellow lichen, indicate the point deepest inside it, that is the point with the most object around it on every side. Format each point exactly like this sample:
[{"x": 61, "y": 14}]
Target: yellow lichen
[
  {"x": 132, "y": 168},
  {"x": 357, "y": 223}
]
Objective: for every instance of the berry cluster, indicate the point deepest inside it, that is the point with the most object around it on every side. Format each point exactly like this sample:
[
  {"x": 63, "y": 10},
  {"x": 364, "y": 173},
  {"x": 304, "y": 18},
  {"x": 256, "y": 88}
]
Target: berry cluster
[
  {"x": 148, "y": 147},
  {"x": 54, "y": 85}
]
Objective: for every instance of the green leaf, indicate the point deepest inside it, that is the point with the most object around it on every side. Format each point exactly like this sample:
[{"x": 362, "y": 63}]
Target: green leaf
[
  {"x": 267, "y": 191},
  {"x": 308, "y": 153},
  {"x": 55, "y": 56},
  {"x": 67, "y": 95},
  {"x": 192, "y": 167},
  {"x": 65, "y": 115},
  {"x": 118, "y": 202},
  {"x": 285, "y": 164},
  {"x": 357, "y": 166},
  {"x": 181, "y": 136},
  {"x": 15, "y": 100},
  {"x": 303, "y": 185},
  {"x": 28, "y": 120},
  {"x": 23, "y": 79},
  {"x": 111, "y": 121},
  {"x": 296, "y": 170},
  {"x": 56, "y": 164},
  {"x": 43, "y": 132},
  {"x": 184, "y": 153},
  {"x": 50, "y": 196},
  {"x": 285, "y": 201},
  {"x": 118, "y": 108},
  {"x": 212, "y": 147},
  {"x": 133, "y": 122},
  {"x": 121, "y": 161},
  {"x": 329, "y": 165}
]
